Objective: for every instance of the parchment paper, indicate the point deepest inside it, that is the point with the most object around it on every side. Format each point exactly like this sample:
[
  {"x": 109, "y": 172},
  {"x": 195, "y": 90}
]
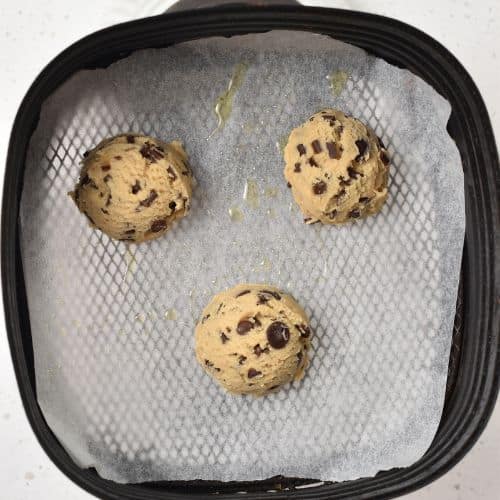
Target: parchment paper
[{"x": 112, "y": 325}]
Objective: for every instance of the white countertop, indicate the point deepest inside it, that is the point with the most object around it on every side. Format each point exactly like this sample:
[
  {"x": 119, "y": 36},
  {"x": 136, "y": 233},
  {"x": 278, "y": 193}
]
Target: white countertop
[{"x": 32, "y": 33}]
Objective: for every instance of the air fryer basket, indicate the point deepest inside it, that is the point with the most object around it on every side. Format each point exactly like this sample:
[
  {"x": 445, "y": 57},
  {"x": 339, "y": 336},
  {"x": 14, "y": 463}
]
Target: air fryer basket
[{"x": 474, "y": 367}]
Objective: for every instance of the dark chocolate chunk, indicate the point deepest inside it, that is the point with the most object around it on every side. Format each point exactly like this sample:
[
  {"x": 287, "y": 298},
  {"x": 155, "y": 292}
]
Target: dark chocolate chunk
[
  {"x": 151, "y": 152},
  {"x": 158, "y": 225},
  {"x": 304, "y": 330},
  {"x": 244, "y": 292},
  {"x": 339, "y": 195},
  {"x": 252, "y": 372},
  {"x": 353, "y": 174},
  {"x": 84, "y": 180},
  {"x": 244, "y": 326},
  {"x": 319, "y": 187},
  {"x": 364, "y": 199},
  {"x": 171, "y": 173},
  {"x": 208, "y": 363},
  {"x": 258, "y": 350},
  {"x": 297, "y": 168},
  {"x": 288, "y": 185},
  {"x": 276, "y": 295},
  {"x": 147, "y": 202},
  {"x": 130, "y": 231},
  {"x": 354, "y": 213},
  {"x": 224, "y": 338},
  {"x": 136, "y": 187},
  {"x": 312, "y": 162},
  {"x": 104, "y": 211},
  {"x": 278, "y": 334},
  {"x": 130, "y": 139},
  {"x": 242, "y": 359},
  {"x": 332, "y": 214},
  {"x": 334, "y": 151},
  {"x": 362, "y": 146},
  {"x": 172, "y": 205},
  {"x": 316, "y": 145},
  {"x": 118, "y": 157},
  {"x": 107, "y": 178},
  {"x": 344, "y": 182},
  {"x": 329, "y": 117},
  {"x": 217, "y": 369},
  {"x": 262, "y": 299},
  {"x": 105, "y": 168},
  {"x": 301, "y": 149},
  {"x": 384, "y": 158}
]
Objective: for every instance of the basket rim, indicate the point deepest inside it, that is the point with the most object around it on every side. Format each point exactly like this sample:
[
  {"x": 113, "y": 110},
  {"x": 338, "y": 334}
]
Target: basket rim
[{"x": 478, "y": 377}]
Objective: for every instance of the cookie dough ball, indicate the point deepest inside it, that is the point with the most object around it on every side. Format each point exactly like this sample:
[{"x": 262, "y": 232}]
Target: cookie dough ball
[
  {"x": 253, "y": 339},
  {"x": 133, "y": 187},
  {"x": 337, "y": 168}
]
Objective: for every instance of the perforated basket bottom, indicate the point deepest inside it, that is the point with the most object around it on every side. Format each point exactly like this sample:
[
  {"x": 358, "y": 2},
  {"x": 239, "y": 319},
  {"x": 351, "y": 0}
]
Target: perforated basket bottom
[{"x": 117, "y": 381}]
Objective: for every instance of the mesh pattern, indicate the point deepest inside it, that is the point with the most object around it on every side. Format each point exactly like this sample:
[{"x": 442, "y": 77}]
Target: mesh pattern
[{"x": 118, "y": 382}]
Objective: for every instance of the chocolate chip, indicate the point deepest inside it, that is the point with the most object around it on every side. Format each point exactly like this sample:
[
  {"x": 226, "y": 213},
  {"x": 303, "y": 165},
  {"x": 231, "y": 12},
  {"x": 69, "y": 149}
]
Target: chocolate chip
[
  {"x": 149, "y": 200},
  {"x": 384, "y": 158},
  {"x": 380, "y": 143},
  {"x": 312, "y": 162},
  {"x": 278, "y": 334},
  {"x": 136, "y": 187},
  {"x": 353, "y": 174},
  {"x": 104, "y": 211},
  {"x": 332, "y": 214},
  {"x": 301, "y": 149},
  {"x": 172, "y": 205},
  {"x": 364, "y": 199},
  {"x": 316, "y": 146},
  {"x": 329, "y": 117},
  {"x": 339, "y": 195},
  {"x": 304, "y": 331},
  {"x": 288, "y": 185},
  {"x": 85, "y": 180},
  {"x": 276, "y": 295},
  {"x": 184, "y": 172},
  {"x": 258, "y": 350},
  {"x": 130, "y": 139},
  {"x": 244, "y": 292},
  {"x": 171, "y": 173},
  {"x": 118, "y": 157},
  {"x": 252, "y": 372},
  {"x": 362, "y": 146},
  {"x": 262, "y": 299},
  {"x": 344, "y": 182},
  {"x": 107, "y": 178},
  {"x": 297, "y": 168},
  {"x": 244, "y": 326},
  {"x": 130, "y": 231},
  {"x": 354, "y": 213},
  {"x": 224, "y": 338},
  {"x": 205, "y": 318},
  {"x": 319, "y": 187},
  {"x": 105, "y": 168},
  {"x": 208, "y": 363},
  {"x": 158, "y": 225},
  {"x": 151, "y": 152},
  {"x": 299, "y": 357},
  {"x": 108, "y": 201},
  {"x": 334, "y": 151},
  {"x": 217, "y": 369},
  {"x": 242, "y": 359}
]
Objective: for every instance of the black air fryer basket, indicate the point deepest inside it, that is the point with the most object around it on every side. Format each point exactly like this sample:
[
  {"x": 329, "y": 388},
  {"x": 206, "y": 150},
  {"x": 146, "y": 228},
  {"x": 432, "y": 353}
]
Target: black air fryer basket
[{"x": 474, "y": 362}]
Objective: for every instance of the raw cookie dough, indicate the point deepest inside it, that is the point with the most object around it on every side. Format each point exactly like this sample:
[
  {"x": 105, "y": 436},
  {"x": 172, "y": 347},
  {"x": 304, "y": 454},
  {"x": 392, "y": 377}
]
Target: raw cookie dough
[
  {"x": 337, "y": 168},
  {"x": 252, "y": 339},
  {"x": 133, "y": 187}
]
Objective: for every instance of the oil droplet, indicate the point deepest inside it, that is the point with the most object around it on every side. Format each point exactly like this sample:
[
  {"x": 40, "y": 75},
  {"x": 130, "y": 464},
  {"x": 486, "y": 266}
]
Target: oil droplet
[
  {"x": 251, "y": 193},
  {"x": 282, "y": 143},
  {"x": 271, "y": 192},
  {"x": 224, "y": 103},
  {"x": 236, "y": 214},
  {"x": 271, "y": 213},
  {"x": 338, "y": 79},
  {"x": 171, "y": 314}
]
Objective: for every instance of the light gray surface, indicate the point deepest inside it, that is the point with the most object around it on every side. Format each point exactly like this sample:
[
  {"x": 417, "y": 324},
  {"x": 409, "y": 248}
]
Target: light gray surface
[
  {"x": 34, "y": 36},
  {"x": 119, "y": 384}
]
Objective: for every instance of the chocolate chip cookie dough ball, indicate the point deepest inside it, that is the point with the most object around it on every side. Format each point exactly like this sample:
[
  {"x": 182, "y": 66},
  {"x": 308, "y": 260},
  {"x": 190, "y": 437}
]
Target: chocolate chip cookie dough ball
[
  {"x": 337, "y": 168},
  {"x": 253, "y": 339},
  {"x": 133, "y": 187}
]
